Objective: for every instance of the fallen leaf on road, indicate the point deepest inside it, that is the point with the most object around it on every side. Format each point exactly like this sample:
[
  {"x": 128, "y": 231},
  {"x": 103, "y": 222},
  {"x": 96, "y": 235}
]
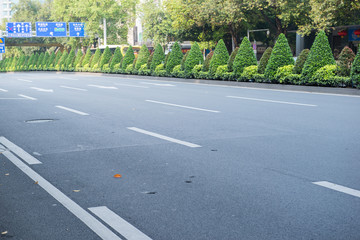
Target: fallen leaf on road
[
  {"x": 7, "y": 174},
  {"x": 37, "y": 182},
  {"x": 117, "y": 176},
  {"x": 76, "y": 190},
  {"x": 5, "y": 232}
]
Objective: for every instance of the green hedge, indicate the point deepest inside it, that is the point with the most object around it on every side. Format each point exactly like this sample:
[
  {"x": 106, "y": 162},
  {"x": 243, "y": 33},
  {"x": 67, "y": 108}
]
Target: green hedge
[{"x": 283, "y": 72}]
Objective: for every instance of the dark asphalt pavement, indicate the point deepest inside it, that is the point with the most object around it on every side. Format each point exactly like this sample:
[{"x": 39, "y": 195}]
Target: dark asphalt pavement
[{"x": 261, "y": 150}]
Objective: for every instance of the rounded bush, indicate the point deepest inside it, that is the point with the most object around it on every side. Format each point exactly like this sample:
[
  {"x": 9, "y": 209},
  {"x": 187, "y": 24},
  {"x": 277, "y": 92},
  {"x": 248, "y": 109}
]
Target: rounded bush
[
  {"x": 244, "y": 58},
  {"x": 221, "y": 71},
  {"x": 264, "y": 60},
  {"x": 324, "y": 74},
  {"x": 220, "y": 57},
  {"x": 345, "y": 61},
  {"x": 283, "y": 72},
  {"x": 300, "y": 61},
  {"x": 249, "y": 73}
]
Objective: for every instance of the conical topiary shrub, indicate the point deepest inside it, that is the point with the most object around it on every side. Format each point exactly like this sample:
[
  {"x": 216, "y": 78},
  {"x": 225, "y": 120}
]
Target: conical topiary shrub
[
  {"x": 62, "y": 60},
  {"x": 105, "y": 57},
  {"x": 128, "y": 58},
  {"x": 206, "y": 64},
  {"x": 346, "y": 59},
  {"x": 264, "y": 60},
  {"x": 96, "y": 58},
  {"x": 79, "y": 56},
  {"x": 244, "y": 58},
  {"x": 116, "y": 59},
  {"x": 220, "y": 57},
  {"x": 45, "y": 60},
  {"x": 70, "y": 60},
  {"x": 158, "y": 58},
  {"x": 182, "y": 64},
  {"x": 57, "y": 58},
  {"x": 175, "y": 57},
  {"x": 232, "y": 58},
  {"x": 40, "y": 59},
  {"x": 142, "y": 57},
  {"x": 280, "y": 56},
  {"x": 195, "y": 57},
  {"x": 87, "y": 58},
  {"x": 300, "y": 61},
  {"x": 355, "y": 69},
  {"x": 319, "y": 56},
  {"x": 51, "y": 59}
]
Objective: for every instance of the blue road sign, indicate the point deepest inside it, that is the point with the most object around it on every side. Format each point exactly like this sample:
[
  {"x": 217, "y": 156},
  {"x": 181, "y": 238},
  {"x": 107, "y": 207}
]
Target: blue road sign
[
  {"x": 18, "y": 29},
  {"x": 50, "y": 29},
  {"x": 77, "y": 29},
  {"x": 2, "y": 45}
]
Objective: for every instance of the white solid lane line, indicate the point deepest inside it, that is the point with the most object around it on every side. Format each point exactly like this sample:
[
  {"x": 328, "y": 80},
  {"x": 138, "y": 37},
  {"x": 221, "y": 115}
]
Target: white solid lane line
[
  {"x": 75, "y": 79},
  {"x": 41, "y": 89},
  {"x": 273, "y": 101},
  {"x": 95, "y": 225},
  {"x": 339, "y": 188},
  {"x": 3, "y": 90},
  {"x": 159, "y": 84},
  {"x": 117, "y": 223},
  {"x": 188, "y": 144},
  {"x": 129, "y": 85},
  {"x": 19, "y": 151},
  {"x": 27, "y": 97},
  {"x": 72, "y": 110},
  {"x": 102, "y": 87},
  {"x": 182, "y": 106},
  {"x": 79, "y": 89},
  {"x": 23, "y": 80}
]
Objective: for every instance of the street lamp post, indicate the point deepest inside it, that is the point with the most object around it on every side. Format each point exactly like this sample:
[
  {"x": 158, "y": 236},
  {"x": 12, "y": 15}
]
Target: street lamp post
[{"x": 257, "y": 30}]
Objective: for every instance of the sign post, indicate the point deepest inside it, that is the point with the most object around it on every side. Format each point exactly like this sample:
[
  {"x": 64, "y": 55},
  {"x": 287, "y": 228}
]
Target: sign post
[
  {"x": 2, "y": 47},
  {"x": 18, "y": 29},
  {"x": 50, "y": 29},
  {"x": 76, "y": 29}
]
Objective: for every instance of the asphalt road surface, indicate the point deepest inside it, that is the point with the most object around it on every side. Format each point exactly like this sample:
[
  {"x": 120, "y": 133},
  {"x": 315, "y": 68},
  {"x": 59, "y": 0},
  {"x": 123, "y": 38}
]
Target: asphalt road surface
[{"x": 194, "y": 161}]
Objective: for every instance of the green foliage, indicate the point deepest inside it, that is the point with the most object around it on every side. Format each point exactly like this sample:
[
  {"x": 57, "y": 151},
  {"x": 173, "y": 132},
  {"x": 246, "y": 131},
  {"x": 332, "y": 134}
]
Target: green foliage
[
  {"x": 105, "y": 57},
  {"x": 96, "y": 58},
  {"x": 106, "y": 68},
  {"x": 87, "y": 58},
  {"x": 264, "y": 60},
  {"x": 283, "y": 72},
  {"x": 128, "y": 58},
  {"x": 40, "y": 59},
  {"x": 294, "y": 79},
  {"x": 231, "y": 59},
  {"x": 323, "y": 74},
  {"x": 196, "y": 70},
  {"x": 144, "y": 70},
  {"x": 221, "y": 72},
  {"x": 175, "y": 57},
  {"x": 355, "y": 69},
  {"x": 35, "y": 59},
  {"x": 129, "y": 68},
  {"x": 346, "y": 59},
  {"x": 280, "y": 56},
  {"x": 260, "y": 78},
  {"x": 57, "y": 58},
  {"x": 300, "y": 61},
  {"x": 116, "y": 59},
  {"x": 29, "y": 62},
  {"x": 183, "y": 60},
  {"x": 177, "y": 72},
  {"x": 160, "y": 71},
  {"x": 244, "y": 58},
  {"x": 249, "y": 72},
  {"x": 70, "y": 60},
  {"x": 149, "y": 60},
  {"x": 320, "y": 55},
  {"x": 44, "y": 61},
  {"x": 78, "y": 58},
  {"x": 195, "y": 57},
  {"x": 62, "y": 60},
  {"x": 206, "y": 64},
  {"x": 142, "y": 57},
  {"x": 220, "y": 57},
  {"x": 158, "y": 58}
]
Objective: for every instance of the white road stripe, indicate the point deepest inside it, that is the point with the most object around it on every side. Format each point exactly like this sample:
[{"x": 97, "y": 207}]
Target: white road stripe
[
  {"x": 41, "y": 89},
  {"x": 75, "y": 79},
  {"x": 102, "y": 87},
  {"x": 3, "y": 90},
  {"x": 24, "y": 80},
  {"x": 159, "y": 84},
  {"x": 19, "y": 151},
  {"x": 339, "y": 188},
  {"x": 192, "y": 145},
  {"x": 27, "y": 97},
  {"x": 79, "y": 89},
  {"x": 95, "y": 225},
  {"x": 72, "y": 110},
  {"x": 273, "y": 101},
  {"x": 129, "y": 85},
  {"x": 12, "y": 98},
  {"x": 117, "y": 223},
  {"x": 182, "y": 106}
]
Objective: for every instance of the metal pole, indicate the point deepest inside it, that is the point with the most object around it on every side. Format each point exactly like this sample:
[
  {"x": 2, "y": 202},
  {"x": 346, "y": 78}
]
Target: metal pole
[{"x": 105, "y": 43}]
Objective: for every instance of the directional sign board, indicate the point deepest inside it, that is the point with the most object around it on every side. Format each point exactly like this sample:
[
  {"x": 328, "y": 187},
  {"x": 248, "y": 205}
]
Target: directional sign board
[
  {"x": 77, "y": 29},
  {"x": 18, "y": 29},
  {"x": 2, "y": 45},
  {"x": 50, "y": 29}
]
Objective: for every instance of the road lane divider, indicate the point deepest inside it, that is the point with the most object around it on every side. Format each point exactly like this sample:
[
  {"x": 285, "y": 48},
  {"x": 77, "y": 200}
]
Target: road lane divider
[
  {"x": 19, "y": 151},
  {"x": 339, "y": 188},
  {"x": 73, "y": 110},
  {"x": 42, "y": 90},
  {"x": 273, "y": 101},
  {"x": 102, "y": 87},
  {"x": 73, "y": 88},
  {"x": 27, "y": 97},
  {"x": 95, "y": 225},
  {"x": 130, "y": 85},
  {"x": 75, "y": 79},
  {"x": 182, "y": 106},
  {"x": 159, "y": 84},
  {"x": 3, "y": 90},
  {"x": 118, "y": 224},
  {"x": 188, "y": 144},
  {"x": 24, "y": 80}
]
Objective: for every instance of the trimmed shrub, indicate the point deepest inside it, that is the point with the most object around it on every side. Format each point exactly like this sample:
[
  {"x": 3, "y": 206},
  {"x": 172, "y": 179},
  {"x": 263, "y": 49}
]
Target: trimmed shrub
[
  {"x": 260, "y": 78},
  {"x": 346, "y": 59},
  {"x": 142, "y": 57},
  {"x": 57, "y": 58},
  {"x": 322, "y": 75},
  {"x": 206, "y": 63},
  {"x": 144, "y": 70},
  {"x": 116, "y": 59},
  {"x": 175, "y": 57},
  {"x": 160, "y": 71},
  {"x": 62, "y": 60},
  {"x": 264, "y": 60},
  {"x": 129, "y": 68},
  {"x": 106, "y": 68},
  {"x": 128, "y": 58},
  {"x": 158, "y": 58},
  {"x": 69, "y": 64},
  {"x": 294, "y": 79},
  {"x": 220, "y": 57},
  {"x": 196, "y": 70},
  {"x": 195, "y": 57},
  {"x": 79, "y": 56},
  {"x": 105, "y": 57},
  {"x": 87, "y": 58},
  {"x": 300, "y": 61},
  {"x": 166, "y": 59},
  {"x": 355, "y": 69},
  {"x": 96, "y": 58},
  {"x": 149, "y": 60},
  {"x": 280, "y": 56},
  {"x": 40, "y": 59},
  {"x": 283, "y": 72},
  {"x": 44, "y": 61},
  {"x": 244, "y": 58},
  {"x": 183, "y": 60},
  {"x": 177, "y": 72},
  {"x": 222, "y": 72},
  {"x": 320, "y": 55},
  {"x": 248, "y": 73},
  {"x": 232, "y": 58}
]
